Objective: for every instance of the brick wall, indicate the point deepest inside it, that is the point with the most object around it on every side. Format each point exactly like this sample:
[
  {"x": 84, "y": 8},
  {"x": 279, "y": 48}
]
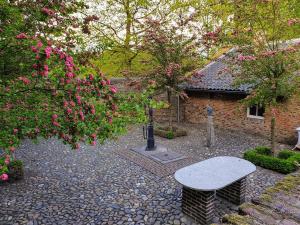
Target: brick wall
[{"x": 229, "y": 113}]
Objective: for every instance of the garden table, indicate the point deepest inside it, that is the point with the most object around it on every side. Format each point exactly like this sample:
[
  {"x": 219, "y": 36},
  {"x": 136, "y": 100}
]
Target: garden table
[{"x": 223, "y": 176}]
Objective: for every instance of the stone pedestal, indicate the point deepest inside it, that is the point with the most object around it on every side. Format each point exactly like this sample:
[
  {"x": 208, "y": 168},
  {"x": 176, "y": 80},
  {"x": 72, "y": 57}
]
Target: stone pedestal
[
  {"x": 199, "y": 205},
  {"x": 234, "y": 193},
  {"x": 211, "y": 139},
  {"x": 298, "y": 130}
]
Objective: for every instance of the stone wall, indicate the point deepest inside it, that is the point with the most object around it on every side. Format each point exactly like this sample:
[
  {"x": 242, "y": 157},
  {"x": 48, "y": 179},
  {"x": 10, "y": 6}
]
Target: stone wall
[{"x": 229, "y": 113}]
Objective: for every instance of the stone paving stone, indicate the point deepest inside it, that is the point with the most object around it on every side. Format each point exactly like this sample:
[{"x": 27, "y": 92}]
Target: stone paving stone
[
  {"x": 278, "y": 205},
  {"x": 95, "y": 185}
]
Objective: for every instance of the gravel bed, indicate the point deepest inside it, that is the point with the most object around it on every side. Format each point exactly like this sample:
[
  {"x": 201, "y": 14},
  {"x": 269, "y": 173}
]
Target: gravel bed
[{"x": 94, "y": 185}]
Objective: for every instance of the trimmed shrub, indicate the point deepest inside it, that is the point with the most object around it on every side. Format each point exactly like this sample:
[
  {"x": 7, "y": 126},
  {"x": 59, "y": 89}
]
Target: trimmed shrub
[
  {"x": 285, "y": 163},
  {"x": 285, "y": 154},
  {"x": 172, "y": 133},
  {"x": 263, "y": 150},
  {"x": 16, "y": 171}
]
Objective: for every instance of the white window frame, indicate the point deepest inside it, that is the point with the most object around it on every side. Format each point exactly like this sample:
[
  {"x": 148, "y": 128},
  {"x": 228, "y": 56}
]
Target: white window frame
[{"x": 252, "y": 116}]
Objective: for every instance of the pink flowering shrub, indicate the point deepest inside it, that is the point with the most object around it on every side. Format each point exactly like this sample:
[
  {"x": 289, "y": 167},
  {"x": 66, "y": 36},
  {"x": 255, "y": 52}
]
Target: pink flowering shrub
[{"x": 54, "y": 100}]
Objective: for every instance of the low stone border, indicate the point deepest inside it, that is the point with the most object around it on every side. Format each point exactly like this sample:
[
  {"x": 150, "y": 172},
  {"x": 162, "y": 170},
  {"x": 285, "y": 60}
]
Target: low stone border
[
  {"x": 277, "y": 205},
  {"x": 152, "y": 166}
]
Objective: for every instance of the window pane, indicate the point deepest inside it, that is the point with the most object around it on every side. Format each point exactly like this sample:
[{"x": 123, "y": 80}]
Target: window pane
[
  {"x": 260, "y": 111},
  {"x": 252, "y": 110}
]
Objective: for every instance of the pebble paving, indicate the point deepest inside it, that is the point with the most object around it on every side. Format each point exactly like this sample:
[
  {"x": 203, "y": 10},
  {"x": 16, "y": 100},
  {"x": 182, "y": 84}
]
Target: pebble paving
[{"x": 95, "y": 185}]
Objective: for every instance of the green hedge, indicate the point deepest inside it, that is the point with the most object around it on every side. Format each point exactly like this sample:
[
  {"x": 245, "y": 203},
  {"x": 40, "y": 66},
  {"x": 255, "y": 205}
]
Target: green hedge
[{"x": 285, "y": 162}]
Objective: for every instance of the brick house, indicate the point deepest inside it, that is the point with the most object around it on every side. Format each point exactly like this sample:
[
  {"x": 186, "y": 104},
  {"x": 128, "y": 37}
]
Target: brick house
[{"x": 218, "y": 91}]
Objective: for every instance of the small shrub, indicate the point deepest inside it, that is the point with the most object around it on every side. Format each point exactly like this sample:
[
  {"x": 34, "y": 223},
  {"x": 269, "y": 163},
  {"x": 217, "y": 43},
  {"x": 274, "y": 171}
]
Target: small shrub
[
  {"x": 285, "y": 154},
  {"x": 170, "y": 135},
  {"x": 263, "y": 150},
  {"x": 280, "y": 165},
  {"x": 16, "y": 171}
]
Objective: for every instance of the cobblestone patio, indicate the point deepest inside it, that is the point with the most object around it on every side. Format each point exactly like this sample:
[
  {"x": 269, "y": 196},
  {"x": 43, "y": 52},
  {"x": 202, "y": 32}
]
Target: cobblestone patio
[{"x": 107, "y": 185}]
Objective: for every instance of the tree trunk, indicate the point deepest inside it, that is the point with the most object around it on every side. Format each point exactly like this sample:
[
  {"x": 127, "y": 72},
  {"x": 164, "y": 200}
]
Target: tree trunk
[
  {"x": 170, "y": 108},
  {"x": 273, "y": 145}
]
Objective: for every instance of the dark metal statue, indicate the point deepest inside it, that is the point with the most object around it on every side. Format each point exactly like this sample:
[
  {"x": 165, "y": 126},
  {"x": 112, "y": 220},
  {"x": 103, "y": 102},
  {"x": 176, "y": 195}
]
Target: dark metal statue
[{"x": 149, "y": 131}]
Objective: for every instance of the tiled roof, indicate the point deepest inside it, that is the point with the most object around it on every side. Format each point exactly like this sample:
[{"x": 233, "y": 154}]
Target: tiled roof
[{"x": 214, "y": 77}]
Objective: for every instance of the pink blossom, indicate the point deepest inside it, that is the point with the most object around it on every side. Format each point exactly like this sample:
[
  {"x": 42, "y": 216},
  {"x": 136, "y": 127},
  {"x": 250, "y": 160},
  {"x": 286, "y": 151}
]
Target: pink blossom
[
  {"x": 46, "y": 68},
  {"x": 4, "y": 177},
  {"x": 25, "y": 80},
  {"x": 21, "y": 36},
  {"x": 15, "y": 130},
  {"x": 113, "y": 89},
  {"x": 48, "y": 51},
  {"x": 12, "y": 149},
  {"x": 56, "y": 124},
  {"x": 78, "y": 98},
  {"x": 103, "y": 82},
  {"x": 69, "y": 111},
  {"x": 54, "y": 116},
  {"x": 91, "y": 77},
  {"x": 7, "y": 160},
  {"x": 34, "y": 49},
  {"x": 48, "y": 12},
  {"x": 70, "y": 75},
  {"x": 246, "y": 58},
  {"x": 39, "y": 44},
  {"x": 94, "y": 143},
  {"x": 66, "y": 104},
  {"x": 93, "y": 111},
  {"x": 72, "y": 103},
  {"x": 94, "y": 136},
  {"x": 108, "y": 82},
  {"x": 81, "y": 115}
]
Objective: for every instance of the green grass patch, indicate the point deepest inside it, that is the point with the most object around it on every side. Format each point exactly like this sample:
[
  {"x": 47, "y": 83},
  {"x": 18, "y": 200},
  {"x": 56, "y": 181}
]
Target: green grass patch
[{"x": 285, "y": 162}]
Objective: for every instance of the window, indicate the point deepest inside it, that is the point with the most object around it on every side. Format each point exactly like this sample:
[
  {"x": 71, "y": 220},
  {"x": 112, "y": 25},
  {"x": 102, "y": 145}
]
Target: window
[{"x": 256, "y": 112}]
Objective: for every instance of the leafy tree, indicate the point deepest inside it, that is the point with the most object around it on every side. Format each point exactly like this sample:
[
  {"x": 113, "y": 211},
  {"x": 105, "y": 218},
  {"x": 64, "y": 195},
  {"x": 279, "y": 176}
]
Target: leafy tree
[
  {"x": 267, "y": 58},
  {"x": 44, "y": 94},
  {"x": 175, "y": 55}
]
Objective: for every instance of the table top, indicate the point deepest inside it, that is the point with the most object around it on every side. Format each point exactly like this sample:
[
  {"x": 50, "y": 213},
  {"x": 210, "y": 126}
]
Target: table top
[{"x": 215, "y": 173}]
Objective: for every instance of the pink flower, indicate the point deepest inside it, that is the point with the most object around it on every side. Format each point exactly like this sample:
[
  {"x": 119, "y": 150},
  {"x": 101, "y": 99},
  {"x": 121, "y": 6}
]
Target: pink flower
[
  {"x": 94, "y": 136},
  {"x": 72, "y": 103},
  {"x": 4, "y": 177},
  {"x": 12, "y": 149},
  {"x": 78, "y": 98},
  {"x": 7, "y": 160},
  {"x": 113, "y": 89},
  {"x": 48, "y": 51},
  {"x": 246, "y": 58},
  {"x": 48, "y": 12},
  {"x": 93, "y": 111},
  {"x": 69, "y": 111},
  {"x": 16, "y": 130},
  {"x": 39, "y": 44},
  {"x": 25, "y": 80},
  {"x": 54, "y": 116},
  {"x": 94, "y": 143},
  {"x": 46, "y": 68},
  {"x": 21, "y": 36},
  {"x": 81, "y": 115},
  {"x": 66, "y": 104},
  {"x": 103, "y": 82},
  {"x": 108, "y": 82},
  {"x": 34, "y": 49},
  {"x": 91, "y": 77},
  {"x": 70, "y": 75},
  {"x": 56, "y": 124}
]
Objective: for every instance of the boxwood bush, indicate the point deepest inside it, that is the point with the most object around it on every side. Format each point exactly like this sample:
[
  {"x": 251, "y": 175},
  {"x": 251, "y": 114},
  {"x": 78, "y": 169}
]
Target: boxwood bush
[{"x": 286, "y": 161}]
